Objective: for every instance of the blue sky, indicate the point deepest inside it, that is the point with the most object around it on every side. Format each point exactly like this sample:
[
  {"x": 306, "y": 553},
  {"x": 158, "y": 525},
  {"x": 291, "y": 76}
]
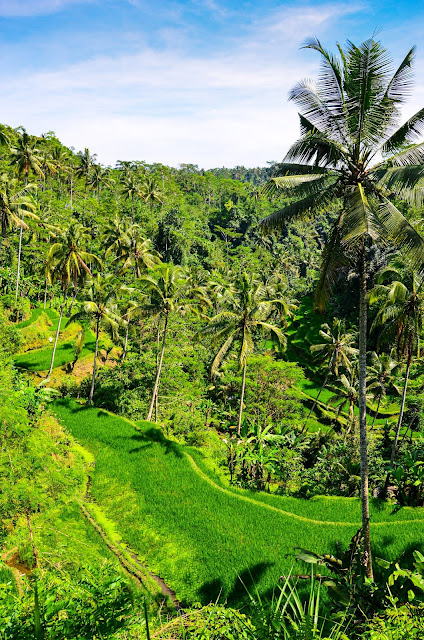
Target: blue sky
[{"x": 173, "y": 81}]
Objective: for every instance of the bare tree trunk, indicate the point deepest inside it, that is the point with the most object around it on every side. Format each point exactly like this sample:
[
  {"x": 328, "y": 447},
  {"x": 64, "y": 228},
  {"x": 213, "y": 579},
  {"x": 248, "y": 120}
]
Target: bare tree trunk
[
  {"x": 363, "y": 446},
  {"x": 57, "y": 334},
  {"x": 37, "y": 615},
  {"x": 124, "y": 352},
  {"x": 158, "y": 372},
  {"x": 90, "y": 397},
  {"x": 315, "y": 402},
  {"x": 18, "y": 275},
  {"x": 376, "y": 413},
  {"x": 243, "y": 386},
  {"x": 402, "y": 409},
  {"x": 45, "y": 295},
  {"x": 74, "y": 295}
]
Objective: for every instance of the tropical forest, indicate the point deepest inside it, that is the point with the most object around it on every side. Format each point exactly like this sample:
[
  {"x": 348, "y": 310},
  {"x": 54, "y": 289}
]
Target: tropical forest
[{"x": 212, "y": 384}]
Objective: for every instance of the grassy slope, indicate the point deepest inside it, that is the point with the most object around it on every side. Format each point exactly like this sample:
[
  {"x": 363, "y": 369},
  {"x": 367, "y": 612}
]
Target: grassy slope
[
  {"x": 39, "y": 359},
  {"x": 199, "y": 535}
]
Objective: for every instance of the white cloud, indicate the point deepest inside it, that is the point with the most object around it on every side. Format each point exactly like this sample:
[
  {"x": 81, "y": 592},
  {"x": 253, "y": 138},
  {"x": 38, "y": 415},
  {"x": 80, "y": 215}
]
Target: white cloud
[
  {"x": 22, "y": 8},
  {"x": 168, "y": 106}
]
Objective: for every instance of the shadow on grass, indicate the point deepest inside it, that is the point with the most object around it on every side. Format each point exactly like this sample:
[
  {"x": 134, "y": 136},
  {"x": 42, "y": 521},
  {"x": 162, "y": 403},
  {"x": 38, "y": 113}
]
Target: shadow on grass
[
  {"x": 155, "y": 435},
  {"x": 244, "y": 583}
]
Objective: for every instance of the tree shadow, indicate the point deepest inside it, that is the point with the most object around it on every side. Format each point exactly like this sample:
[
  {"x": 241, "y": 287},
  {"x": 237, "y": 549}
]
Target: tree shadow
[{"x": 244, "y": 584}]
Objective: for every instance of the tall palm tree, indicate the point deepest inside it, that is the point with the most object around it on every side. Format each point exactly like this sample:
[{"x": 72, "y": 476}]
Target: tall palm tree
[
  {"x": 169, "y": 291},
  {"x": 246, "y": 313},
  {"x": 131, "y": 188},
  {"x": 69, "y": 263},
  {"x": 337, "y": 350},
  {"x": 353, "y": 152},
  {"x": 402, "y": 318},
  {"x": 98, "y": 177},
  {"x": 85, "y": 163},
  {"x": 100, "y": 308},
  {"x": 151, "y": 191},
  {"x": 347, "y": 395},
  {"x": 381, "y": 379},
  {"x": 15, "y": 204},
  {"x": 25, "y": 158},
  {"x": 135, "y": 251}
]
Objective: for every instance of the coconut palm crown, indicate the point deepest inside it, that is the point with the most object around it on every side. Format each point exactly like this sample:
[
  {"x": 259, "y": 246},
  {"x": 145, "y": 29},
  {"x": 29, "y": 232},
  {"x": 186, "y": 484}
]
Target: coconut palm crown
[{"x": 352, "y": 149}]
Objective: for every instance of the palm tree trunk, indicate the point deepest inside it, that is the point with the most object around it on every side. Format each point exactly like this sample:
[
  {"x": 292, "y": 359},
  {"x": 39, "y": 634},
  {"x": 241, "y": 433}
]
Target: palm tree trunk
[
  {"x": 124, "y": 352},
  {"x": 45, "y": 295},
  {"x": 315, "y": 402},
  {"x": 93, "y": 377},
  {"x": 18, "y": 275},
  {"x": 74, "y": 295},
  {"x": 376, "y": 413},
  {"x": 158, "y": 372},
  {"x": 37, "y": 614},
  {"x": 363, "y": 446},
  {"x": 57, "y": 334},
  {"x": 243, "y": 386},
  {"x": 402, "y": 408}
]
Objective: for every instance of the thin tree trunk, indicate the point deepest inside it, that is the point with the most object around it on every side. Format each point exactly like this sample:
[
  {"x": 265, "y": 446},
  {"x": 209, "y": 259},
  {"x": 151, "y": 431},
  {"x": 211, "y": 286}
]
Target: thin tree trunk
[
  {"x": 376, "y": 413},
  {"x": 37, "y": 615},
  {"x": 57, "y": 334},
  {"x": 363, "y": 446},
  {"x": 124, "y": 352},
  {"x": 316, "y": 401},
  {"x": 158, "y": 372},
  {"x": 402, "y": 408},
  {"x": 90, "y": 397},
  {"x": 18, "y": 275},
  {"x": 243, "y": 386},
  {"x": 74, "y": 295},
  {"x": 45, "y": 295}
]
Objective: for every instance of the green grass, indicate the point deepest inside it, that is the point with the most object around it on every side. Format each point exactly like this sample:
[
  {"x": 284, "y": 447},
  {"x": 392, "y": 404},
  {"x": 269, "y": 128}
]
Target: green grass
[
  {"x": 200, "y": 535},
  {"x": 39, "y": 359}
]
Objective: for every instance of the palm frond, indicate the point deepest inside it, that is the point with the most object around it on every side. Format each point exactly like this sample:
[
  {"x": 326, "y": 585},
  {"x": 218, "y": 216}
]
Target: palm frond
[
  {"x": 402, "y": 233},
  {"x": 408, "y": 133},
  {"x": 333, "y": 257}
]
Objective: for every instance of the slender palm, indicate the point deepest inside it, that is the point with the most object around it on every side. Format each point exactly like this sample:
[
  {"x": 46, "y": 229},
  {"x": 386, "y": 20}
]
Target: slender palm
[
  {"x": 381, "y": 379},
  {"x": 245, "y": 314},
  {"x": 352, "y": 151},
  {"x": 402, "y": 318},
  {"x": 347, "y": 395},
  {"x": 85, "y": 163},
  {"x": 25, "y": 158},
  {"x": 337, "y": 350},
  {"x": 98, "y": 177},
  {"x": 169, "y": 291},
  {"x": 15, "y": 204},
  {"x": 70, "y": 264},
  {"x": 100, "y": 308},
  {"x": 131, "y": 189},
  {"x": 135, "y": 251},
  {"x": 151, "y": 192}
]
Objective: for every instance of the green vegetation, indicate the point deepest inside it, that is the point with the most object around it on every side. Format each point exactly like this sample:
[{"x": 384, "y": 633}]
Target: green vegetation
[{"x": 282, "y": 371}]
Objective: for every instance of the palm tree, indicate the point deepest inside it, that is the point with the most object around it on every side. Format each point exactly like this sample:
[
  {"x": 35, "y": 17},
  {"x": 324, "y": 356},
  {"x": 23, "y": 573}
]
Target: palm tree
[
  {"x": 135, "y": 251},
  {"x": 131, "y": 189},
  {"x": 99, "y": 306},
  {"x": 245, "y": 313},
  {"x": 15, "y": 204},
  {"x": 380, "y": 379},
  {"x": 99, "y": 176},
  {"x": 151, "y": 192},
  {"x": 402, "y": 318},
  {"x": 25, "y": 158},
  {"x": 336, "y": 350},
  {"x": 347, "y": 395},
  {"x": 85, "y": 163},
  {"x": 69, "y": 262},
  {"x": 352, "y": 151},
  {"x": 170, "y": 291}
]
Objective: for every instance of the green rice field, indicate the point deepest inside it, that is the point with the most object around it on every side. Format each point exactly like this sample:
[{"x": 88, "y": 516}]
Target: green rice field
[{"x": 205, "y": 538}]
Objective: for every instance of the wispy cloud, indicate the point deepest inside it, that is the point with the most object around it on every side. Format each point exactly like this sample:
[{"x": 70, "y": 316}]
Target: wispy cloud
[
  {"x": 9, "y": 8},
  {"x": 173, "y": 106}
]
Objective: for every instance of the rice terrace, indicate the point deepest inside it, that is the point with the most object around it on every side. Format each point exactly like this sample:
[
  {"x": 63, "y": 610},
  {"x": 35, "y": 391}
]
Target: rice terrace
[{"x": 211, "y": 328}]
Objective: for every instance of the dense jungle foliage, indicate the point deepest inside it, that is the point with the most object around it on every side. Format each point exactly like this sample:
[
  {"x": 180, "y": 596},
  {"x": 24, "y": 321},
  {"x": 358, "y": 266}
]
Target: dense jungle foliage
[{"x": 194, "y": 408}]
